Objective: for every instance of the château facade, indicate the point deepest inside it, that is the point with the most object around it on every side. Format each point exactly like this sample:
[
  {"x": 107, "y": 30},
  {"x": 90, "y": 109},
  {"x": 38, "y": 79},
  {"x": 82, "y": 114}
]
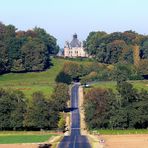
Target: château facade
[{"x": 74, "y": 48}]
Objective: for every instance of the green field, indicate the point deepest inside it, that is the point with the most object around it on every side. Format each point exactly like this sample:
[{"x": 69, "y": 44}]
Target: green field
[
  {"x": 24, "y": 137},
  {"x": 141, "y": 84},
  {"x": 33, "y": 81},
  {"x": 120, "y": 132}
]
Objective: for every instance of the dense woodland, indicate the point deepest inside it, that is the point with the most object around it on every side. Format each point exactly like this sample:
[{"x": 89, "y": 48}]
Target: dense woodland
[
  {"x": 124, "y": 109},
  {"x": 39, "y": 112},
  {"x": 23, "y": 51},
  {"x": 127, "y": 47}
]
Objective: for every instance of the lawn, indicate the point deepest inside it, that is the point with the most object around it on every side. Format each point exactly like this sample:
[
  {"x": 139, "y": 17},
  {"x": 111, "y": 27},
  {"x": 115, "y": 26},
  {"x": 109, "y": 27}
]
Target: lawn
[
  {"x": 24, "y": 137},
  {"x": 120, "y": 132},
  {"x": 33, "y": 81},
  {"x": 138, "y": 84}
]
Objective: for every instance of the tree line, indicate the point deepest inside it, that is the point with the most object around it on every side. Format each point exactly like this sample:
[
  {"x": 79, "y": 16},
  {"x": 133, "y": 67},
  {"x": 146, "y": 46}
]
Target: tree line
[
  {"x": 94, "y": 71},
  {"x": 124, "y": 109},
  {"x": 23, "y": 51},
  {"x": 124, "y": 47},
  {"x": 39, "y": 112}
]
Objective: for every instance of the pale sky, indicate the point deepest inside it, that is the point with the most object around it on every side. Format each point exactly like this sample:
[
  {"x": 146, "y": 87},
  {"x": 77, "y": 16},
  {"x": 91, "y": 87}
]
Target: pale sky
[{"x": 62, "y": 18}]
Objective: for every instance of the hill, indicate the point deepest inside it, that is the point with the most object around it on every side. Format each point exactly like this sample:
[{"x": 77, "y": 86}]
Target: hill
[
  {"x": 36, "y": 81},
  {"x": 33, "y": 81}
]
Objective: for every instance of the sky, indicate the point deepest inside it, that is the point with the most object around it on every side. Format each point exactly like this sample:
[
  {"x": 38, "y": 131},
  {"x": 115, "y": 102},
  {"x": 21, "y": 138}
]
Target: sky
[{"x": 63, "y": 18}]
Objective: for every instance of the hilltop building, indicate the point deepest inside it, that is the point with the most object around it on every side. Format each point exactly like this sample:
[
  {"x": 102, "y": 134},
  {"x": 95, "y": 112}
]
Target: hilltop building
[{"x": 74, "y": 48}]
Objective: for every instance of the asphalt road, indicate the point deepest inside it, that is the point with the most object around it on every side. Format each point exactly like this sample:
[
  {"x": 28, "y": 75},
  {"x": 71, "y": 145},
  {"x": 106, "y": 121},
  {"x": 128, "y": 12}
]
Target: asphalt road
[{"x": 75, "y": 140}]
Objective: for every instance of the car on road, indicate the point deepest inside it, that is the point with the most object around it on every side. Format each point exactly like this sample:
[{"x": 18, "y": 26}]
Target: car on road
[{"x": 86, "y": 85}]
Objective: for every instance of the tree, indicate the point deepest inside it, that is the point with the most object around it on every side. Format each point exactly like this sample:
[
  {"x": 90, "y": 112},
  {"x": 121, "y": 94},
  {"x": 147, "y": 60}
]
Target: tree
[
  {"x": 60, "y": 96},
  {"x": 12, "y": 109},
  {"x": 48, "y": 40},
  {"x": 4, "y": 59},
  {"x": 122, "y": 72},
  {"x": 114, "y": 47},
  {"x": 95, "y": 105},
  {"x": 18, "y": 102},
  {"x": 144, "y": 50},
  {"x": 23, "y": 51},
  {"x": 62, "y": 122},
  {"x": 143, "y": 68},
  {"x": 62, "y": 77},
  {"x": 35, "y": 55},
  {"x": 72, "y": 69},
  {"x": 37, "y": 115}
]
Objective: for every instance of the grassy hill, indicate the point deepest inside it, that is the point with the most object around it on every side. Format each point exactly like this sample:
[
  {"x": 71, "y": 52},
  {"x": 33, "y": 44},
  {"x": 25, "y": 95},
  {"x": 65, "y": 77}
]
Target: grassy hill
[
  {"x": 33, "y": 81},
  {"x": 138, "y": 84},
  {"x": 45, "y": 81}
]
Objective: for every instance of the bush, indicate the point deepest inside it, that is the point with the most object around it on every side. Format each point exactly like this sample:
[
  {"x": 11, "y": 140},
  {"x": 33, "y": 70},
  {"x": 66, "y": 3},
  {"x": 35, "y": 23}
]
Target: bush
[
  {"x": 62, "y": 122},
  {"x": 12, "y": 109},
  {"x": 95, "y": 104},
  {"x": 62, "y": 77}
]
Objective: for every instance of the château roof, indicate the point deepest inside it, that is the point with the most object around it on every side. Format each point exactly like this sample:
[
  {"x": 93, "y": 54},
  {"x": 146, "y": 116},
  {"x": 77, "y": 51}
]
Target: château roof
[{"x": 75, "y": 42}]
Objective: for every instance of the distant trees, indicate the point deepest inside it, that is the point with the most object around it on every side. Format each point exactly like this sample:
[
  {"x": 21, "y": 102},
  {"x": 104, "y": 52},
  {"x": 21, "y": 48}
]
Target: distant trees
[
  {"x": 115, "y": 47},
  {"x": 127, "y": 108},
  {"x": 123, "y": 72},
  {"x": 77, "y": 70},
  {"x": 143, "y": 68},
  {"x": 34, "y": 55},
  {"x": 25, "y": 50}
]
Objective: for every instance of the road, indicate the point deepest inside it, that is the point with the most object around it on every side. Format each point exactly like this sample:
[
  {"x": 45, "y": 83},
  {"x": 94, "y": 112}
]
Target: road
[{"x": 75, "y": 140}]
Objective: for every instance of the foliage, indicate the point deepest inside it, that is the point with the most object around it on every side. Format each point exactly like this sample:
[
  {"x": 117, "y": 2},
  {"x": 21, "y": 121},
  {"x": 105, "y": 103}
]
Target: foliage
[
  {"x": 125, "y": 108},
  {"x": 12, "y": 109},
  {"x": 39, "y": 113},
  {"x": 62, "y": 77},
  {"x": 144, "y": 50},
  {"x": 95, "y": 107},
  {"x": 25, "y": 51},
  {"x": 72, "y": 69},
  {"x": 62, "y": 122},
  {"x": 90, "y": 77},
  {"x": 60, "y": 96},
  {"x": 143, "y": 67},
  {"x": 115, "y": 47}
]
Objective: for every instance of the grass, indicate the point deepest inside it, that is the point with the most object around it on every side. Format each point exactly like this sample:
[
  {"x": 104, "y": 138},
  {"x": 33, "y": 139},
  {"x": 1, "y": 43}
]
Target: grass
[
  {"x": 138, "y": 84},
  {"x": 11, "y": 137},
  {"x": 33, "y": 81},
  {"x": 120, "y": 132}
]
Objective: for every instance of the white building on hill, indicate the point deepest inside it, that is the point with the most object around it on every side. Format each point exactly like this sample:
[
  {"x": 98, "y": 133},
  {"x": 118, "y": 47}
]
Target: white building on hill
[{"x": 74, "y": 48}]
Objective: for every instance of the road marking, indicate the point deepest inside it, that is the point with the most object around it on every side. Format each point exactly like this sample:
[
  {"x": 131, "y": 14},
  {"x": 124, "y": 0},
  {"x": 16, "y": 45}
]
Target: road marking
[
  {"x": 74, "y": 142},
  {"x": 75, "y": 128}
]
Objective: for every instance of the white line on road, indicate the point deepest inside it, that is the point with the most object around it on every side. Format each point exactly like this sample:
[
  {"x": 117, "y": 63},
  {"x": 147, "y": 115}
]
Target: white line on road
[{"x": 74, "y": 142}]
